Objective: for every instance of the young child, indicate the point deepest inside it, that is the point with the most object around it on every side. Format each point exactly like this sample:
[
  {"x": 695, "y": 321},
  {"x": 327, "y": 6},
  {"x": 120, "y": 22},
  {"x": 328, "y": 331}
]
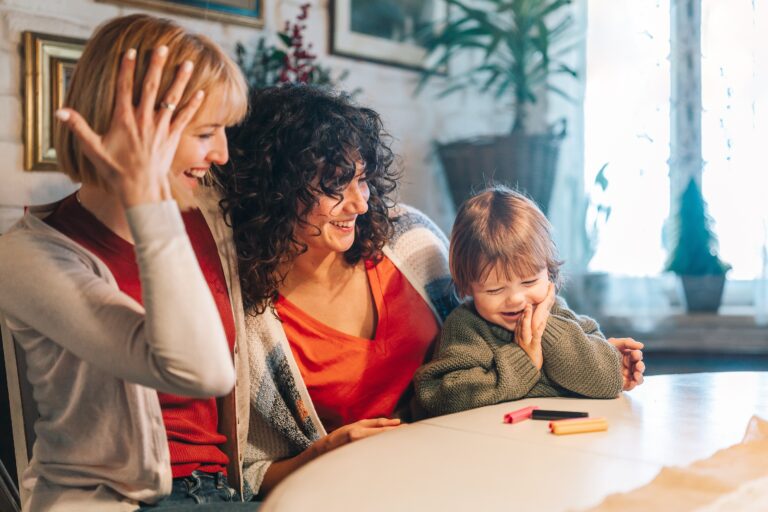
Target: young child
[{"x": 515, "y": 338}]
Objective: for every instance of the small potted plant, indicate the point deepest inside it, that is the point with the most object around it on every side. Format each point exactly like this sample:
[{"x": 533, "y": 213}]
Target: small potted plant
[
  {"x": 694, "y": 253},
  {"x": 295, "y": 62},
  {"x": 518, "y": 47}
]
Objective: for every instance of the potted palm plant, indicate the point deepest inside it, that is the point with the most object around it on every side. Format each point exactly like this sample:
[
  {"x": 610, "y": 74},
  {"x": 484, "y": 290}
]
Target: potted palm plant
[
  {"x": 694, "y": 253},
  {"x": 518, "y": 47}
]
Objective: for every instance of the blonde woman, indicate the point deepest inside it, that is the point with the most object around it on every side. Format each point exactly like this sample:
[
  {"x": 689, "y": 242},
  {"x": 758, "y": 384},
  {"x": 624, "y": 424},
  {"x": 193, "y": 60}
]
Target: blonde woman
[{"x": 118, "y": 299}]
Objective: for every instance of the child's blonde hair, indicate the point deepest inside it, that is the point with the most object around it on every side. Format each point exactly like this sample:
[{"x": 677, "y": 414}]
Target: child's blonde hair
[
  {"x": 500, "y": 226},
  {"x": 92, "y": 89}
]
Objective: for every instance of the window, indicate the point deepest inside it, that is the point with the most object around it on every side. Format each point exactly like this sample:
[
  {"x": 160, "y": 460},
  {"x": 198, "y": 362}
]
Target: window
[
  {"x": 631, "y": 79},
  {"x": 627, "y": 126}
]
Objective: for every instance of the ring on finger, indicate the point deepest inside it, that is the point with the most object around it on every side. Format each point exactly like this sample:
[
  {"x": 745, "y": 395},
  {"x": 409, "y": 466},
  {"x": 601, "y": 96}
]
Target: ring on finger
[{"x": 167, "y": 105}]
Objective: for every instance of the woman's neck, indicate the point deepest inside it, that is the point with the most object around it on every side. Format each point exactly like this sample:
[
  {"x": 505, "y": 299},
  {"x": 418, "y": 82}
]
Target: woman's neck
[
  {"x": 106, "y": 207},
  {"x": 327, "y": 270}
]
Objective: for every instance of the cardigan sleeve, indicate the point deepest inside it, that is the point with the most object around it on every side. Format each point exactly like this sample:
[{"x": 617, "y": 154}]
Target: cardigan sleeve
[
  {"x": 577, "y": 356},
  {"x": 175, "y": 343},
  {"x": 472, "y": 368}
]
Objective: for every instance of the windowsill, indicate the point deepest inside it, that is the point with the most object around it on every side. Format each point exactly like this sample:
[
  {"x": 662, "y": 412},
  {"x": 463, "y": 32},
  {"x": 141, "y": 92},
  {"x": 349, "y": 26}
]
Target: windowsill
[{"x": 733, "y": 331}]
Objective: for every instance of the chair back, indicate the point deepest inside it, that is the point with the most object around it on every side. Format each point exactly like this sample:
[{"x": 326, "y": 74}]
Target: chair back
[
  {"x": 9, "y": 493},
  {"x": 22, "y": 403}
]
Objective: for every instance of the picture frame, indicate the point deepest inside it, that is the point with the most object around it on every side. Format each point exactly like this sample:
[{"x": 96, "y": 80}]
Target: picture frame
[
  {"x": 241, "y": 12},
  {"x": 384, "y": 31},
  {"x": 48, "y": 65}
]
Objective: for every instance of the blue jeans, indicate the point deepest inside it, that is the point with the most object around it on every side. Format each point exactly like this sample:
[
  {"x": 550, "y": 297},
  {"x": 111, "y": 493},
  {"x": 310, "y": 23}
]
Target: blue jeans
[{"x": 201, "y": 492}]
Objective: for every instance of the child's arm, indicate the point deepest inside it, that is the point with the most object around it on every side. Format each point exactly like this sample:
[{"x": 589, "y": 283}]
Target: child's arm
[
  {"x": 473, "y": 367},
  {"x": 577, "y": 355}
]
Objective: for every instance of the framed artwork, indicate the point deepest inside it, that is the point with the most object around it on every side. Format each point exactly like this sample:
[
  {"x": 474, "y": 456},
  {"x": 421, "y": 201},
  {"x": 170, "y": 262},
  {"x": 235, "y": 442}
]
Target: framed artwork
[
  {"x": 385, "y": 31},
  {"x": 242, "y": 12},
  {"x": 48, "y": 65}
]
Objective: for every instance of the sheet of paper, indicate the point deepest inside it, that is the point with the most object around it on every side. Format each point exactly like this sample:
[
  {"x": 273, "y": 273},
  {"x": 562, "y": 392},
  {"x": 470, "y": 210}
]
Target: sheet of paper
[{"x": 735, "y": 478}]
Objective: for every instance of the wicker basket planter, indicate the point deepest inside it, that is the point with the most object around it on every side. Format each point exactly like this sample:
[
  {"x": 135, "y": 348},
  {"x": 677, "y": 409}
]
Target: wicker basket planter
[{"x": 527, "y": 162}]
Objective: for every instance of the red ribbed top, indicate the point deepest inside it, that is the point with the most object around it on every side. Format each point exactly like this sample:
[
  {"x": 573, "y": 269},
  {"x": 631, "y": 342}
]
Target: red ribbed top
[{"x": 191, "y": 424}]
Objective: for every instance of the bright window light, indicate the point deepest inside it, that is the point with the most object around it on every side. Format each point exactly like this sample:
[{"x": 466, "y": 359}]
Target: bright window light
[{"x": 627, "y": 126}]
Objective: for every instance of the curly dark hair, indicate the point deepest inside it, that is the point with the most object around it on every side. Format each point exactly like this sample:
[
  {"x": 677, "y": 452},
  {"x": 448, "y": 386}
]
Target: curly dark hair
[{"x": 300, "y": 142}]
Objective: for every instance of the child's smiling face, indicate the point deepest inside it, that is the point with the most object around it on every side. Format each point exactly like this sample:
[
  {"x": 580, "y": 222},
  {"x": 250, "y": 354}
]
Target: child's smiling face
[{"x": 501, "y": 298}]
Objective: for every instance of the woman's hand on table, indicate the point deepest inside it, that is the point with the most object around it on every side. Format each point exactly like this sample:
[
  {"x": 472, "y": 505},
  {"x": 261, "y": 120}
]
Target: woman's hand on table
[
  {"x": 280, "y": 469},
  {"x": 134, "y": 156},
  {"x": 353, "y": 432},
  {"x": 632, "y": 365}
]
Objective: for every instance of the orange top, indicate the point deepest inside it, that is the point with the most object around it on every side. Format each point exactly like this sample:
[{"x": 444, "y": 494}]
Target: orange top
[{"x": 351, "y": 378}]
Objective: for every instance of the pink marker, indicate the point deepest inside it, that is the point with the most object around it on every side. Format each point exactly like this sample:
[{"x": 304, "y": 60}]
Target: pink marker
[{"x": 520, "y": 414}]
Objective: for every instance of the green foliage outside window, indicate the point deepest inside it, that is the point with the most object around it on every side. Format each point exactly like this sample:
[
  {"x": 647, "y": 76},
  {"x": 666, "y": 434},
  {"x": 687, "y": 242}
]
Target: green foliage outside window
[{"x": 695, "y": 245}]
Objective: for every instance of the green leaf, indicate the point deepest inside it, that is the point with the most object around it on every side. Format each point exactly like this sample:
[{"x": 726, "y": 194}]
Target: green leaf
[
  {"x": 560, "y": 93},
  {"x": 450, "y": 90},
  {"x": 285, "y": 38},
  {"x": 600, "y": 179},
  {"x": 516, "y": 42}
]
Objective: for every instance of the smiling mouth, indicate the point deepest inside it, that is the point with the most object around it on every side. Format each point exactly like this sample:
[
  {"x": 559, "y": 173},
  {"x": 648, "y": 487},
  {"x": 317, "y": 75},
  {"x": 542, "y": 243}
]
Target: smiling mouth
[
  {"x": 196, "y": 173},
  {"x": 513, "y": 314},
  {"x": 346, "y": 225}
]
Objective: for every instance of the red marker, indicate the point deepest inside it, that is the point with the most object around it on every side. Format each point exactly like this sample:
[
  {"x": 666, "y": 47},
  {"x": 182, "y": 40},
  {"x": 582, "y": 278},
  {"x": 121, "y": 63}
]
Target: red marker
[{"x": 520, "y": 414}]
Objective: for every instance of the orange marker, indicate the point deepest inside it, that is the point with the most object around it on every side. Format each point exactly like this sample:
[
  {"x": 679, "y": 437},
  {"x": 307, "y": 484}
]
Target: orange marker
[{"x": 578, "y": 426}]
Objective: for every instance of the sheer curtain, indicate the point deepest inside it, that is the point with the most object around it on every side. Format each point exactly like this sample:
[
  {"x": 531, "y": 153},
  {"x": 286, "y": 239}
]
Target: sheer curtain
[
  {"x": 735, "y": 130},
  {"x": 627, "y": 127},
  {"x": 627, "y": 123}
]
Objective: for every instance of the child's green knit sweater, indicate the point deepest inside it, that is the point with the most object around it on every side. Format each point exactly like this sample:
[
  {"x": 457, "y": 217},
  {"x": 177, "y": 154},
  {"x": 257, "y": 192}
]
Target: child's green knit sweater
[{"x": 478, "y": 363}]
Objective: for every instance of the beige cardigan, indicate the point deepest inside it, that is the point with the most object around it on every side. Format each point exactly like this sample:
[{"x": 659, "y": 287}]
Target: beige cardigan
[{"x": 96, "y": 357}]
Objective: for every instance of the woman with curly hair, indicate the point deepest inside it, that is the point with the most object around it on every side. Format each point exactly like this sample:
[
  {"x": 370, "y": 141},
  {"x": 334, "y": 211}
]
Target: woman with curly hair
[{"x": 344, "y": 291}]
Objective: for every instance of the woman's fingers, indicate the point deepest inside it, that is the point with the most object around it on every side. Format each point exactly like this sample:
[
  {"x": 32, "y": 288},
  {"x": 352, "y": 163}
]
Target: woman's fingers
[
  {"x": 187, "y": 113},
  {"x": 146, "y": 112},
  {"x": 124, "y": 100},
  {"x": 89, "y": 140},
  {"x": 377, "y": 422},
  {"x": 175, "y": 92},
  {"x": 358, "y": 430},
  {"x": 623, "y": 344}
]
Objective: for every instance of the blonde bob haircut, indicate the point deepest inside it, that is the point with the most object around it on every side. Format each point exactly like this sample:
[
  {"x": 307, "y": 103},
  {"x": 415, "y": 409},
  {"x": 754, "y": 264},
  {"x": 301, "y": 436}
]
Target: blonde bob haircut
[
  {"x": 502, "y": 229},
  {"x": 92, "y": 90}
]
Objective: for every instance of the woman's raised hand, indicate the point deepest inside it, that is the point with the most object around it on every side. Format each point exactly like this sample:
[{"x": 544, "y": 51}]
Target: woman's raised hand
[{"x": 134, "y": 156}]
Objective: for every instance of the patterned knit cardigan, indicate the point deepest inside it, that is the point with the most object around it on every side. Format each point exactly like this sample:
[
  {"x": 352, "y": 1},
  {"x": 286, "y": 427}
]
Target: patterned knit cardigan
[{"x": 283, "y": 420}]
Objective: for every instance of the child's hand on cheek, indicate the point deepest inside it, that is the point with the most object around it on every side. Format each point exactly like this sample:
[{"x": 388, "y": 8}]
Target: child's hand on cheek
[
  {"x": 525, "y": 338},
  {"x": 541, "y": 313}
]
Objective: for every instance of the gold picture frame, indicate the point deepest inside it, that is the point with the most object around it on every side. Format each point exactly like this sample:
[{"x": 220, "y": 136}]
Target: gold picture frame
[
  {"x": 388, "y": 32},
  {"x": 241, "y": 12},
  {"x": 48, "y": 64}
]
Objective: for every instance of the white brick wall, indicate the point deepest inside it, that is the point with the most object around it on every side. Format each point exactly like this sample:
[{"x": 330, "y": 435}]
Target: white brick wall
[{"x": 415, "y": 122}]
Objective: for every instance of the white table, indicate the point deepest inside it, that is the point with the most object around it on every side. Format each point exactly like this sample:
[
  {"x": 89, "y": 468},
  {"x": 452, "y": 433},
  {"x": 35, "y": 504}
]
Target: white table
[{"x": 472, "y": 461}]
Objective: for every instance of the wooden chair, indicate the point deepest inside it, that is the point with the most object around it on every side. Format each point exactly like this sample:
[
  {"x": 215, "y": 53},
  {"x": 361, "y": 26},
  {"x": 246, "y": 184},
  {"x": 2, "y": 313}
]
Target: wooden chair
[
  {"x": 22, "y": 406},
  {"x": 9, "y": 493}
]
